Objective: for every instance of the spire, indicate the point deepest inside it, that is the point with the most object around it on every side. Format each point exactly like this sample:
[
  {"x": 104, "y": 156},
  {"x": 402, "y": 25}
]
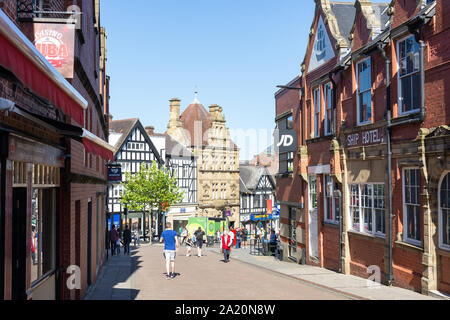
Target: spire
[{"x": 196, "y": 97}]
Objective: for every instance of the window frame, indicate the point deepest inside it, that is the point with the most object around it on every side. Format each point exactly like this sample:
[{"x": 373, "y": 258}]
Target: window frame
[
  {"x": 328, "y": 100},
  {"x": 358, "y": 93},
  {"x": 317, "y": 107},
  {"x": 442, "y": 245},
  {"x": 405, "y": 211},
  {"x": 360, "y": 207},
  {"x": 310, "y": 193},
  {"x": 333, "y": 202},
  {"x": 399, "y": 78}
]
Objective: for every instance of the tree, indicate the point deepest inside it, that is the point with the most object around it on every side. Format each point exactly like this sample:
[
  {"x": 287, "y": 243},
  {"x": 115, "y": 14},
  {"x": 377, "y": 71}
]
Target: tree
[{"x": 152, "y": 188}]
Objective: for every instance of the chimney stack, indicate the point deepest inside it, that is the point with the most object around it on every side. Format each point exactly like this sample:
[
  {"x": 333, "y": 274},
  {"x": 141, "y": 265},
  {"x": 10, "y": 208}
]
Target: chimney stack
[
  {"x": 150, "y": 130},
  {"x": 174, "y": 121}
]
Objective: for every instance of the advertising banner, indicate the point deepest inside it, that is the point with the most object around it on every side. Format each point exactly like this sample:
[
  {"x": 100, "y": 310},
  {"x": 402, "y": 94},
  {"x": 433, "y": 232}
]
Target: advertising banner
[
  {"x": 56, "y": 43},
  {"x": 269, "y": 206},
  {"x": 286, "y": 141}
]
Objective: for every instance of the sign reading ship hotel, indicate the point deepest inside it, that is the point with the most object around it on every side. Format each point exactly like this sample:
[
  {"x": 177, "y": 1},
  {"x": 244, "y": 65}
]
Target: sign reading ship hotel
[
  {"x": 56, "y": 43},
  {"x": 365, "y": 138}
]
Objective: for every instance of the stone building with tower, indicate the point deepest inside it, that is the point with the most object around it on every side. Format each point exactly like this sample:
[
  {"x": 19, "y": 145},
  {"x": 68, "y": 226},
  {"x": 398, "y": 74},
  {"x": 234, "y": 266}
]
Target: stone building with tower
[{"x": 205, "y": 134}]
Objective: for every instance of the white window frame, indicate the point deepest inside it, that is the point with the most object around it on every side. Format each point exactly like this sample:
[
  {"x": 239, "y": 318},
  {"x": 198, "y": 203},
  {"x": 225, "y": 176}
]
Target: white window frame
[
  {"x": 399, "y": 79},
  {"x": 310, "y": 193},
  {"x": 333, "y": 209},
  {"x": 441, "y": 244},
  {"x": 405, "y": 211},
  {"x": 317, "y": 106},
  {"x": 328, "y": 99},
  {"x": 358, "y": 101},
  {"x": 360, "y": 207}
]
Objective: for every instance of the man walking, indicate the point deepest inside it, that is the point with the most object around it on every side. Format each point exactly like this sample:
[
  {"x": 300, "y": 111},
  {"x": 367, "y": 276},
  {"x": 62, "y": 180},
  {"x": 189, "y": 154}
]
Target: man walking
[
  {"x": 199, "y": 237},
  {"x": 126, "y": 240},
  {"x": 170, "y": 249},
  {"x": 225, "y": 246},
  {"x": 113, "y": 236}
]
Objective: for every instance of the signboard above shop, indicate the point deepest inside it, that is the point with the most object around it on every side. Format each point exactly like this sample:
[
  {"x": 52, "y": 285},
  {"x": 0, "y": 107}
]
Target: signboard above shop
[
  {"x": 286, "y": 141},
  {"x": 365, "y": 138},
  {"x": 56, "y": 43},
  {"x": 114, "y": 174}
]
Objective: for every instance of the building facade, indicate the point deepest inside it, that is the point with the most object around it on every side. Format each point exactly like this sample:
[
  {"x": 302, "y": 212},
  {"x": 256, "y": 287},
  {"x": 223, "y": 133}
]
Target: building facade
[
  {"x": 182, "y": 164},
  {"x": 133, "y": 147},
  {"x": 54, "y": 151},
  {"x": 373, "y": 122},
  {"x": 205, "y": 134},
  {"x": 257, "y": 199}
]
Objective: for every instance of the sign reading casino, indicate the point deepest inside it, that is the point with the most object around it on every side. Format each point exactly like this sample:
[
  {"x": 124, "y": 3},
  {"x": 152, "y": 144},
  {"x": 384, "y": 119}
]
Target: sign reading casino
[
  {"x": 365, "y": 138},
  {"x": 56, "y": 43}
]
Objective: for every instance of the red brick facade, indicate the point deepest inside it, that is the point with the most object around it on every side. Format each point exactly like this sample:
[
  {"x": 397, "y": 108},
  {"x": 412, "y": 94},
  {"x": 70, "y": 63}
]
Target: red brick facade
[
  {"x": 355, "y": 154},
  {"x": 83, "y": 175}
]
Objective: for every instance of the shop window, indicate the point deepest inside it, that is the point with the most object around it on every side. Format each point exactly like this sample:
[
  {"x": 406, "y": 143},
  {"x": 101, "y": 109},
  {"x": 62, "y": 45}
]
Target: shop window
[
  {"x": 367, "y": 208},
  {"x": 328, "y": 110},
  {"x": 316, "y": 113},
  {"x": 444, "y": 212},
  {"x": 43, "y": 238},
  {"x": 364, "y": 92},
  {"x": 411, "y": 206},
  {"x": 330, "y": 210},
  {"x": 409, "y": 76}
]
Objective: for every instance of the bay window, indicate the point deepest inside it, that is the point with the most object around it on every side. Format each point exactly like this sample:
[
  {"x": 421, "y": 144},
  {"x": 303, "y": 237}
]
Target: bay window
[
  {"x": 409, "y": 75},
  {"x": 367, "y": 208},
  {"x": 364, "y": 92},
  {"x": 411, "y": 206}
]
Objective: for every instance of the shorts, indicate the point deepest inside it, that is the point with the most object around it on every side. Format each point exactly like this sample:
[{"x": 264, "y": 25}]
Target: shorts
[
  {"x": 200, "y": 243},
  {"x": 170, "y": 255}
]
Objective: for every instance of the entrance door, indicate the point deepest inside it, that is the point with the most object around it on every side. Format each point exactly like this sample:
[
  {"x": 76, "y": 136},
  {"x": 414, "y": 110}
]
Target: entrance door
[
  {"x": 89, "y": 244},
  {"x": 19, "y": 244},
  {"x": 313, "y": 222}
]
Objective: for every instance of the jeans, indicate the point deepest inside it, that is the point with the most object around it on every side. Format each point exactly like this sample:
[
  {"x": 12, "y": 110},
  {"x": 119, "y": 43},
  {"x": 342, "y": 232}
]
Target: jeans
[
  {"x": 113, "y": 248},
  {"x": 126, "y": 248},
  {"x": 226, "y": 255}
]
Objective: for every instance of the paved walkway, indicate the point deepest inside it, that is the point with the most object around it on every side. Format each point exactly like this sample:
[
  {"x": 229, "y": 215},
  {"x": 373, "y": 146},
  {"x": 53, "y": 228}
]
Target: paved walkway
[
  {"x": 331, "y": 280},
  {"x": 141, "y": 276}
]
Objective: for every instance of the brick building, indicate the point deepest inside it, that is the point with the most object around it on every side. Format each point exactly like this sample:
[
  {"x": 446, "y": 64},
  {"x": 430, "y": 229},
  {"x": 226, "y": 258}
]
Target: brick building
[
  {"x": 373, "y": 117},
  {"x": 53, "y": 147}
]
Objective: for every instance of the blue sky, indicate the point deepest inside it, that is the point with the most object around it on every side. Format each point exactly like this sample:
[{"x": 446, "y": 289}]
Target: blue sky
[{"x": 234, "y": 52}]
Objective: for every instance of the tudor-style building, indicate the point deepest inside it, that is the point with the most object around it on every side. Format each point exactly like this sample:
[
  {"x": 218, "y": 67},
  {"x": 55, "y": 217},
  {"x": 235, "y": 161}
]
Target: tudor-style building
[
  {"x": 133, "y": 147},
  {"x": 256, "y": 187},
  {"x": 182, "y": 164},
  {"x": 371, "y": 172},
  {"x": 205, "y": 134}
]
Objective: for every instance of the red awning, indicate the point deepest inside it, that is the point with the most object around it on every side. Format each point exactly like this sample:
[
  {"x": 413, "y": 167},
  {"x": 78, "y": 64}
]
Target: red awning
[
  {"x": 93, "y": 147},
  {"x": 12, "y": 59}
]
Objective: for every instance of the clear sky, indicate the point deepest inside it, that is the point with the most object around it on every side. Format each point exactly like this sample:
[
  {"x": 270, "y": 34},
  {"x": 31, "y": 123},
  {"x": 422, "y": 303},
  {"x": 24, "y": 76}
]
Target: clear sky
[{"x": 233, "y": 52}]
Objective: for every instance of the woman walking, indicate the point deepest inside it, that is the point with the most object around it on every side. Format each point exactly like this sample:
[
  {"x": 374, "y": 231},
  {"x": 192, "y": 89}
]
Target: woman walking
[{"x": 189, "y": 244}]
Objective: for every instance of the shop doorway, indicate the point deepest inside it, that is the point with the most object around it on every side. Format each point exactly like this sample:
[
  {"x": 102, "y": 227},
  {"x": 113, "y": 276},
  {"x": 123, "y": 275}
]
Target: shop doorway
[
  {"x": 19, "y": 244},
  {"x": 313, "y": 226}
]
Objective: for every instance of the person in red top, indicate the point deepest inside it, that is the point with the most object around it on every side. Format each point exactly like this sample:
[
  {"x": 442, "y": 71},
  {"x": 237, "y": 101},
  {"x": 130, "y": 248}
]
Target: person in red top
[{"x": 225, "y": 245}]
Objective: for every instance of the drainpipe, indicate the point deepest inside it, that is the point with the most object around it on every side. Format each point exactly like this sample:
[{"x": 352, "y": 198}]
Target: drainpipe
[{"x": 389, "y": 151}]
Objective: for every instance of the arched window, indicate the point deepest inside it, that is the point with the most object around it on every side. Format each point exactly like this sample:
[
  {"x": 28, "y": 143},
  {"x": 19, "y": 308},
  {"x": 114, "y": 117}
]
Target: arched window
[{"x": 444, "y": 212}]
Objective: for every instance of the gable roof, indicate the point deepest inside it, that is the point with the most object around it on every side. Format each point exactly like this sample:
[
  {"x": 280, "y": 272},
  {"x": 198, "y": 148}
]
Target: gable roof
[
  {"x": 249, "y": 177},
  {"x": 125, "y": 128},
  {"x": 175, "y": 148},
  {"x": 344, "y": 12}
]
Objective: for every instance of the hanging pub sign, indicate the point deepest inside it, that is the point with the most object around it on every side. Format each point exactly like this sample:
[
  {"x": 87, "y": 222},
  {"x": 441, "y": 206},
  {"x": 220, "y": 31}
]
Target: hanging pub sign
[
  {"x": 286, "y": 141},
  {"x": 114, "y": 174},
  {"x": 365, "y": 138},
  {"x": 56, "y": 43}
]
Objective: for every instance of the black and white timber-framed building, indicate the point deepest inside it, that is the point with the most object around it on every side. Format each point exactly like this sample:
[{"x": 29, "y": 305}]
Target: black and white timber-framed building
[
  {"x": 133, "y": 147},
  {"x": 182, "y": 164},
  {"x": 256, "y": 186}
]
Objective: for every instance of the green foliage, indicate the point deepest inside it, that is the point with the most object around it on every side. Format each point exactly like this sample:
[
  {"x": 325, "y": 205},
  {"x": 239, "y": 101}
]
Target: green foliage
[{"x": 150, "y": 188}]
